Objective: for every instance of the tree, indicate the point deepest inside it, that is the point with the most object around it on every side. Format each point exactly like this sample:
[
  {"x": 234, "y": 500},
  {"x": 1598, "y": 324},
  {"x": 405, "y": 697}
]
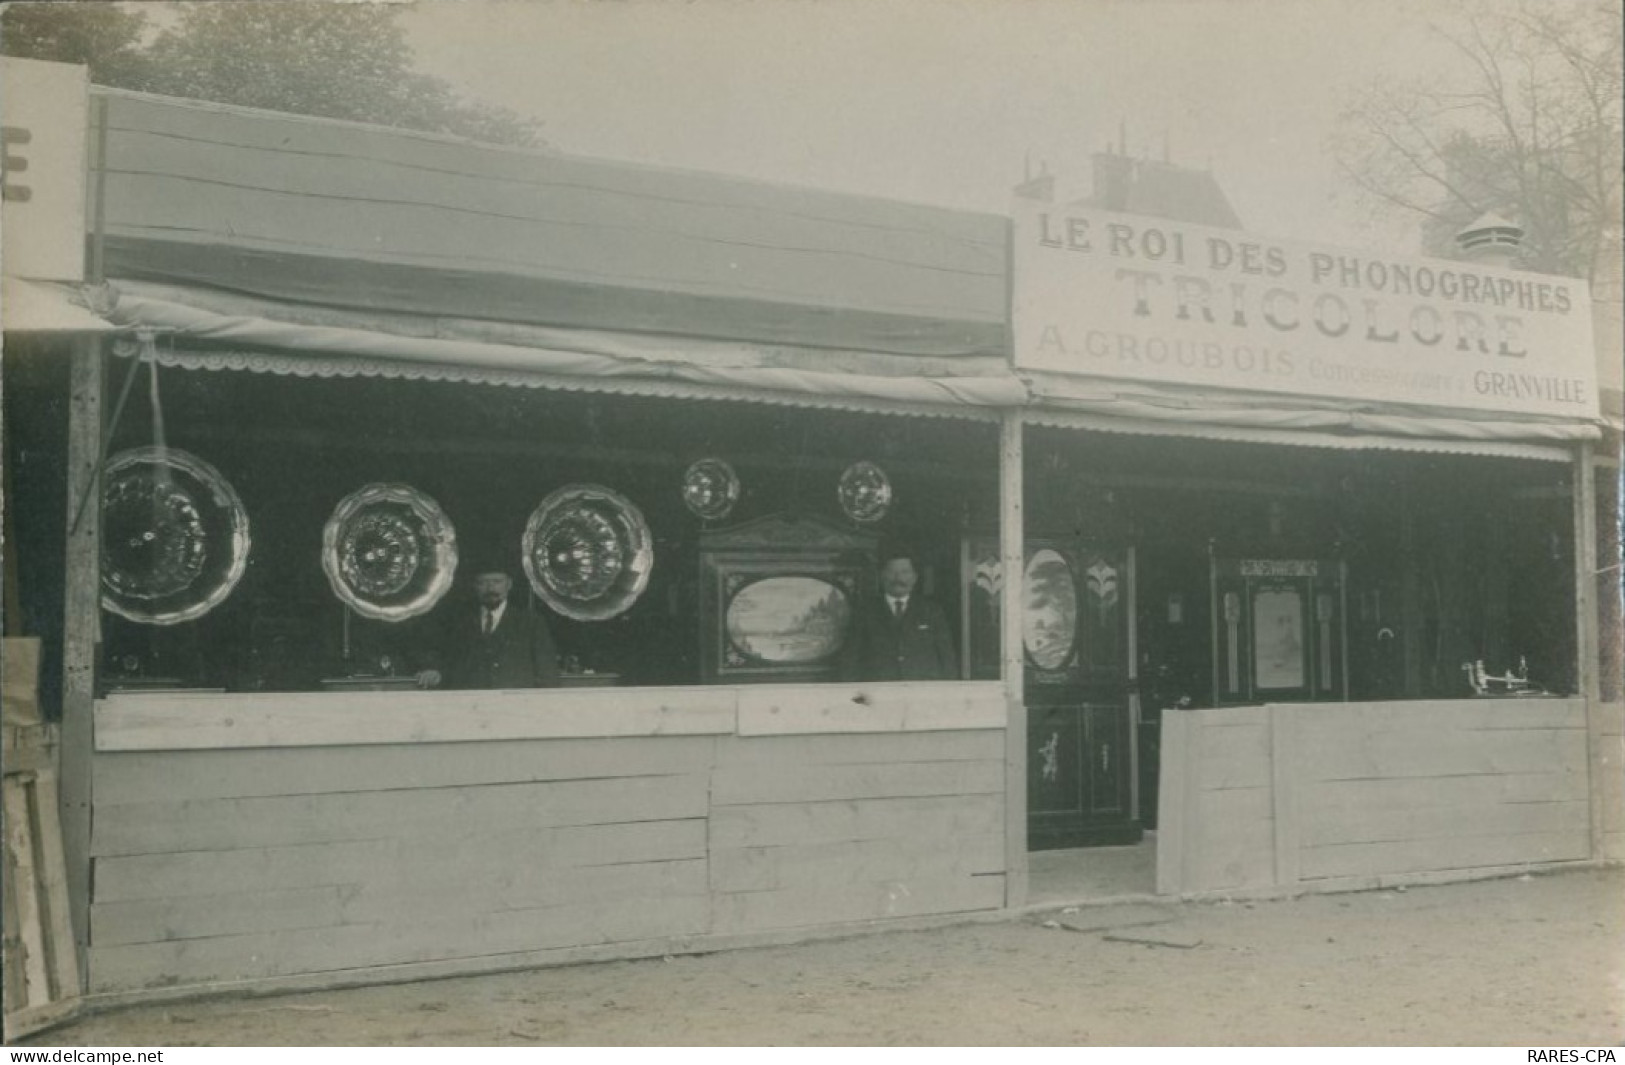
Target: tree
[
  {"x": 1527, "y": 126},
  {"x": 105, "y": 37},
  {"x": 337, "y": 60}
]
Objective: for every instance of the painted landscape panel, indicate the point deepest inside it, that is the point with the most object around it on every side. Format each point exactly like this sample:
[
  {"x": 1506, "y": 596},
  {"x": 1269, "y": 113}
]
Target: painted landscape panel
[{"x": 792, "y": 620}]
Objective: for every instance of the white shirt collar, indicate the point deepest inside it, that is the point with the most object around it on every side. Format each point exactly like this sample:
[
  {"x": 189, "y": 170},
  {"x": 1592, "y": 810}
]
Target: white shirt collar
[{"x": 496, "y": 614}]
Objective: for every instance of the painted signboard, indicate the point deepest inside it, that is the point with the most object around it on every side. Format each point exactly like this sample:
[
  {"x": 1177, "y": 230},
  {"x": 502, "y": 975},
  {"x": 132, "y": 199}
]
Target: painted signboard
[
  {"x": 43, "y": 119},
  {"x": 1120, "y": 296}
]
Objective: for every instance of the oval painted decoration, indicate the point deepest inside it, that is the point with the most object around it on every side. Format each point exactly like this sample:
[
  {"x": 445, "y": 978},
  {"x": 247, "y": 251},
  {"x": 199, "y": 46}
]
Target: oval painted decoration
[
  {"x": 793, "y": 620},
  {"x": 1052, "y": 610}
]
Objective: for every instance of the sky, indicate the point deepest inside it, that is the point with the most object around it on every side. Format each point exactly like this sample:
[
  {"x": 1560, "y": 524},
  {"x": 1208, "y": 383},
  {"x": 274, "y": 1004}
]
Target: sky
[{"x": 950, "y": 102}]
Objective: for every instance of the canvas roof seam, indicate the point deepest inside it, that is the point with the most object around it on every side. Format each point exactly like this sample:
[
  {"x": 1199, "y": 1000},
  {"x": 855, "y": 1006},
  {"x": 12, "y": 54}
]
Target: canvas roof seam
[
  {"x": 786, "y": 298},
  {"x": 735, "y": 182},
  {"x": 535, "y": 220},
  {"x": 821, "y": 219},
  {"x": 327, "y": 194}
]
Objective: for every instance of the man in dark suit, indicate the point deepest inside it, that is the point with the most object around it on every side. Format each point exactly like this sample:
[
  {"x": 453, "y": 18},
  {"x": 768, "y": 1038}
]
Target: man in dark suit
[
  {"x": 500, "y": 645},
  {"x": 900, "y": 634}
]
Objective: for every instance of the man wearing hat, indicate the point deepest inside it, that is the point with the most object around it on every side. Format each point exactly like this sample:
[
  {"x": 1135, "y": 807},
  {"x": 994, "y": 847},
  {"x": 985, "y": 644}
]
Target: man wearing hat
[
  {"x": 497, "y": 645},
  {"x": 900, "y": 634}
]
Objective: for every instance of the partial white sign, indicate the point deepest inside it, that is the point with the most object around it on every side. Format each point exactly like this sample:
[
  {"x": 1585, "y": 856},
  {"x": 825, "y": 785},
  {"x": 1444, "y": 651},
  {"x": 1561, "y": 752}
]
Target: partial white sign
[
  {"x": 1121, "y": 296},
  {"x": 44, "y": 116}
]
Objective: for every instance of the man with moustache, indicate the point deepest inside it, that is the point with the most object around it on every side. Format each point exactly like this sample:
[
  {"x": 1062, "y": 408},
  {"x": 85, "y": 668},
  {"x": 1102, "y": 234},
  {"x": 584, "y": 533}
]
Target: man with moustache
[
  {"x": 901, "y": 634},
  {"x": 499, "y": 645}
]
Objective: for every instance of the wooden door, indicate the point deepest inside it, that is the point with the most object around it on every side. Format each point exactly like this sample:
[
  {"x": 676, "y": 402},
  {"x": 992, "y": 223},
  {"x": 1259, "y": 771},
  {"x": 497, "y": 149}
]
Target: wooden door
[
  {"x": 1080, "y": 768},
  {"x": 1079, "y": 754}
]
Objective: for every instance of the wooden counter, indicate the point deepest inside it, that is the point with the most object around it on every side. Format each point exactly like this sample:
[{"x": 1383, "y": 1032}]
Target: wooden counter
[{"x": 260, "y": 841}]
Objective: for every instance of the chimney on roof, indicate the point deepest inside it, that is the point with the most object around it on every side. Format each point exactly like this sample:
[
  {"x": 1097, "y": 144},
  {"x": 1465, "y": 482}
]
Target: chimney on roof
[
  {"x": 1113, "y": 179},
  {"x": 1491, "y": 240},
  {"x": 1040, "y": 187}
]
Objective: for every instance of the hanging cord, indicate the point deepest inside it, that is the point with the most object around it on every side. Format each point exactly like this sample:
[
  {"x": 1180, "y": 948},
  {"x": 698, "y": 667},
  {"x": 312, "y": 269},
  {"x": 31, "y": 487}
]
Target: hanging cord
[
  {"x": 149, "y": 352},
  {"x": 160, "y": 442}
]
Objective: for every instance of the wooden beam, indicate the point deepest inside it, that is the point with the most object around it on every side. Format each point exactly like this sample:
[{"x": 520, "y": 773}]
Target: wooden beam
[
  {"x": 81, "y": 613},
  {"x": 914, "y": 706},
  {"x": 13, "y": 609},
  {"x": 97, "y": 267},
  {"x": 758, "y": 785},
  {"x": 215, "y": 721},
  {"x": 1012, "y": 556},
  {"x": 53, "y": 884},
  {"x": 30, "y": 905},
  {"x": 413, "y": 815},
  {"x": 1587, "y": 650}
]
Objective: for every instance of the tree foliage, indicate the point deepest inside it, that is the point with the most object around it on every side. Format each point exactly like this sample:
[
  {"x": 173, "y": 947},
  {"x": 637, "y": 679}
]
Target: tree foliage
[
  {"x": 105, "y": 37},
  {"x": 1527, "y": 125},
  {"x": 338, "y": 60}
]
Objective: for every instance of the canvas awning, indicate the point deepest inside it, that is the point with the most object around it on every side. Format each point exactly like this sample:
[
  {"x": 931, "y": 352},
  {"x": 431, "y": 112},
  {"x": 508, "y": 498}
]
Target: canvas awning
[
  {"x": 1215, "y": 414},
  {"x": 224, "y": 331},
  {"x": 1234, "y": 434},
  {"x": 42, "y": 307}
]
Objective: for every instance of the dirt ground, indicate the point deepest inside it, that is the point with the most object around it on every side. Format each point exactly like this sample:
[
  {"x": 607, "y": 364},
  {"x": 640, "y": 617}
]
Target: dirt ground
[{"x": 1524, "y": 961}]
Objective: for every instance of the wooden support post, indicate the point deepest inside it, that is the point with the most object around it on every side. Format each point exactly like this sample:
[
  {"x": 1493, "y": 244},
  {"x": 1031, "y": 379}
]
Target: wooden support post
[
  {"x": 1212, "y": 627},
  {"x": 1411, "y": 596},
  {"x": 1177, "y": 790},
  {"x": 81, "y": 611},
  {"x": 1343, "y": 622},
  {"x": 1494, "y": 613},
  {"x": 1133, "y": 686},
  {"x": 1012, "y": 557},
  {"x": 13, "y": 609},
  {"x": 1586, "y": 647},
  {"x": 1606, "y": 486},
  {"x": 30, "y": 905},
  {"x": 1284, "y": 768},
  {"x": 53, "y": 866}
]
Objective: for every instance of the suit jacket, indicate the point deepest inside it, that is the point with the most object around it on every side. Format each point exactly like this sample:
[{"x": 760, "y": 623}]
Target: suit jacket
[
  {"x": 519, "y": 653},
  {"x": 916, "y": 646}
]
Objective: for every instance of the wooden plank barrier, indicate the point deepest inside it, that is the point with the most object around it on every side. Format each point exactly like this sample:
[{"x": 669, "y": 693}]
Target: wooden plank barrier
[
  {"x": 1330, "y": 795},
  {"x": 246, "y": 842},
  {"x": 815, "y": 835},
  {"x": 41, "y": 964}
]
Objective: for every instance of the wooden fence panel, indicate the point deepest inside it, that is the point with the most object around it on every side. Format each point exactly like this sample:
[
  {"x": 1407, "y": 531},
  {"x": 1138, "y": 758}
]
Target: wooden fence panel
[
  {"x": 227, "y": 867},
  {"x": 1292, "y": 794},
  {"x": 846, "y": 838}
]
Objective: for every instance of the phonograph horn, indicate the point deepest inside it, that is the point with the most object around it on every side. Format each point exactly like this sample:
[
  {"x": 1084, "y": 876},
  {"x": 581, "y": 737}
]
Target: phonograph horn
[
  {"x": 175, "y": 536},
  {"x": 389, "y": 552},
  {"x": 587, "y": 552}
]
